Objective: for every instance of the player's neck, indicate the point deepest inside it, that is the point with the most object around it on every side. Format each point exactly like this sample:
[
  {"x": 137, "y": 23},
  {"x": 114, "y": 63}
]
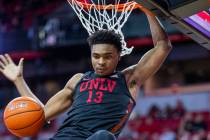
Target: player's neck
[{"x": 99, "y": 75}]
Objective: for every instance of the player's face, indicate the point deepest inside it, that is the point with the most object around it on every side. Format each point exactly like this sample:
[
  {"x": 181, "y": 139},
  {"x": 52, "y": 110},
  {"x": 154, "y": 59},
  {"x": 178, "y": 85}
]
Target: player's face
[{"x": 105, "y": 58}]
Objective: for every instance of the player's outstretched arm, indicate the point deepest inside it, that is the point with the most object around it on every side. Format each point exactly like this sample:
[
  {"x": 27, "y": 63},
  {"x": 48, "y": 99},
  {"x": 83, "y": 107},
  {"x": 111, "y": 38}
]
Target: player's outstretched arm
[
  {"x": 61, "y": 101},
  {"x": 56, "y": 105},
  {"x": 14, "y": 73},
  {"x": 153, "y": 59}
]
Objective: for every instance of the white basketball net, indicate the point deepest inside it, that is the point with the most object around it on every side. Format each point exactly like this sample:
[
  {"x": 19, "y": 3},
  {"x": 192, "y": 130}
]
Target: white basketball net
[{"x": 94, "y": 19}]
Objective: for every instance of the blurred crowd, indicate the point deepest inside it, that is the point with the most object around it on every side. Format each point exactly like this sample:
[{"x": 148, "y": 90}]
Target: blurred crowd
[
  {"x": 17, "y": 14},
  {"x": 168, "y": 124}
]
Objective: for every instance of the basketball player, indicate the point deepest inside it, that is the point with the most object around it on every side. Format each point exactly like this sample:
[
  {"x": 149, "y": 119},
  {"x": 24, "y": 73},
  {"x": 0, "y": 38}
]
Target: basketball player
[{"x": 100, "y": 101}]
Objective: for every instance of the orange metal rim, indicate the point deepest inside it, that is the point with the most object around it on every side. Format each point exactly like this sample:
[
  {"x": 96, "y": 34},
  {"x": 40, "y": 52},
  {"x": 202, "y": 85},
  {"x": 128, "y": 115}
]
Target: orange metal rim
[{"x": 118, "y": 7}]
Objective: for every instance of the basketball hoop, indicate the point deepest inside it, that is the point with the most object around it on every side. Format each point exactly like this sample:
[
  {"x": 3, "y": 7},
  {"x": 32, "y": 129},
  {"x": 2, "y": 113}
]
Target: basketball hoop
[{"x": 99, "y": 15}]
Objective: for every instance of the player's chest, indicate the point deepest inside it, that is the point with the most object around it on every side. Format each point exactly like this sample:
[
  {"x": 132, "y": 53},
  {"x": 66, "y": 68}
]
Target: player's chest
[{"x": 100, "y": 90}]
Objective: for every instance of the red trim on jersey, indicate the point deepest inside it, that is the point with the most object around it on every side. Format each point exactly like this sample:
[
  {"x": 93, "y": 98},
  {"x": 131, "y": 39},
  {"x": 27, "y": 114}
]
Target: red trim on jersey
[{"x": 124, "y": 118}]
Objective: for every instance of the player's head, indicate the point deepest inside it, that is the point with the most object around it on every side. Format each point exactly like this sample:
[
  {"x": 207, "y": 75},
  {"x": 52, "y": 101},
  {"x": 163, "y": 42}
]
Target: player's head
[
  {"x": 106, "y": 37},
  {"x": 105, "y": 51}
]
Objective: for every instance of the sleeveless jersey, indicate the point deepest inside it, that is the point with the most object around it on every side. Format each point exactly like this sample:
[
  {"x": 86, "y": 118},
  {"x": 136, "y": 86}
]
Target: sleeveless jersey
[{"x": 99, "y": 103}]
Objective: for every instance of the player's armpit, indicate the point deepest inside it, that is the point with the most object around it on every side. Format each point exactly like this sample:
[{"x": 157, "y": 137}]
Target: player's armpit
[{"x": 128, "y": 72}]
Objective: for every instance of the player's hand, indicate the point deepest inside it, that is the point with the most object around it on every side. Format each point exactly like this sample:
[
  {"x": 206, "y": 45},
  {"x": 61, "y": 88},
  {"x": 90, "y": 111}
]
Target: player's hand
[
  {"x": 9, "y": 69},
  {"x": 145, "y": 10}
]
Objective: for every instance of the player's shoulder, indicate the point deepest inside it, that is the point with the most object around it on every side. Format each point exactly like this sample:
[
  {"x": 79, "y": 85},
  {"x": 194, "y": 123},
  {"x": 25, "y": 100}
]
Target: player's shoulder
[
  {"x": 128, "y": 71},
  {"x": 77, "y": 76},
  {"x": 74, "y": 80}
]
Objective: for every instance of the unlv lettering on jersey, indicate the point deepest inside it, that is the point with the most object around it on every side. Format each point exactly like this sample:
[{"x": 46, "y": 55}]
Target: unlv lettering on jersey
[{"x": 102, "y": 84}]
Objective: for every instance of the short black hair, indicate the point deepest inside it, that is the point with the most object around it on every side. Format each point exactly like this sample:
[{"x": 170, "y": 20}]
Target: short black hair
[{"x": 106, "y": 37}]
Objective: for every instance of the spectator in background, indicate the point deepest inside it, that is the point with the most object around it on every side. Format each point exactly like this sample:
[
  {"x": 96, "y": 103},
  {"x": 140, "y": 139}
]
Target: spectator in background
[
  {"x": 168, "y": 112},
  {"x": 149, "y": 126},
  {"x": 179, "y": 110},
  {"x": 187, "y": 123},
  {"x": 201, "y": 135},
  {"x": 200, "y": 123},
  {"x": 186, "y": 127},
  {"x": 155, "y": 112}
]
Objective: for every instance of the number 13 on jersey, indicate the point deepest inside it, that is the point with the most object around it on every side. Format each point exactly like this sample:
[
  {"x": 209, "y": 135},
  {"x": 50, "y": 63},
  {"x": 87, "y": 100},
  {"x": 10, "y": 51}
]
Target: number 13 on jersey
[{"x": 97, "y": 99}]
